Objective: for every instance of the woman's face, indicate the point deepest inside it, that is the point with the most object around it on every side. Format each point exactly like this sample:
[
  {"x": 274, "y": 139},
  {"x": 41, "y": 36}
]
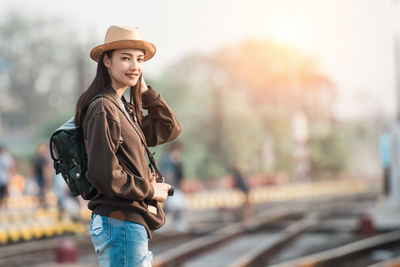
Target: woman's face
[{"x": 124, "y": 67}]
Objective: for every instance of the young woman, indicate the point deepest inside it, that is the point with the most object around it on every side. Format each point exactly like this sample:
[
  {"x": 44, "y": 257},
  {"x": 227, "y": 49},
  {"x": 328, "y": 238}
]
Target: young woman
[{"x": 126, "y": 207}]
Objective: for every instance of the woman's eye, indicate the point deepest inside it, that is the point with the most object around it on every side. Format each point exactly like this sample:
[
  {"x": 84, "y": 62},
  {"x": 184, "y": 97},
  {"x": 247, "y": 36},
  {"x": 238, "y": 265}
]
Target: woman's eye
[
  {"x": 140, "y": 60},
  {"x": 125, "y": 58}
]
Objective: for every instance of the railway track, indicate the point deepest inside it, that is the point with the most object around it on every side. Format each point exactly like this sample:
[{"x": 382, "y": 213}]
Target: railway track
[
  {"x": 22, "y": 219},
  {"x": 361, "y": 253},
  {"x": 259, "y": 242},
  {"x": 250, "y": 244}
]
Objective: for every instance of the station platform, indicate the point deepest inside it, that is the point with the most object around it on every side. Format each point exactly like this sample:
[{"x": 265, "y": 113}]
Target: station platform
[
  {"x": 22, "y": 219},
  {"x": 212, "y": 199}
]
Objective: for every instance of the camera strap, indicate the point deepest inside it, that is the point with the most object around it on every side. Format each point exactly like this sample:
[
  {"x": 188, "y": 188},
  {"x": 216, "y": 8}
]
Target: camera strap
[{"x": 152, "y": 165}]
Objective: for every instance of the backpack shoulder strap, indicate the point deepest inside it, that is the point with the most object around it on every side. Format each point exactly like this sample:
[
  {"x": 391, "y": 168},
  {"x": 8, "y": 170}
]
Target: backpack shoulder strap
[
  {"x": 121, "y": 140},
  {"x": 152, "y": 165}
]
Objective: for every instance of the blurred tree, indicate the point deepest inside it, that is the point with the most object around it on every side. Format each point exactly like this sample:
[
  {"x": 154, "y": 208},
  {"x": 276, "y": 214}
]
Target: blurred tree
[
  {"x": 281, "y": 81},
  {"x": 231, "y": 100},
  {"x": 328, "y": 155},
  {"x": 40, "y": 72}
]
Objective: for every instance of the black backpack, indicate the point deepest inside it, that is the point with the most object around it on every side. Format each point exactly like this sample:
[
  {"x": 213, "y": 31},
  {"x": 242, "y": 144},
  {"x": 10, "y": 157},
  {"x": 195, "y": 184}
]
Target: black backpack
[{"x": 67, "y": 149}]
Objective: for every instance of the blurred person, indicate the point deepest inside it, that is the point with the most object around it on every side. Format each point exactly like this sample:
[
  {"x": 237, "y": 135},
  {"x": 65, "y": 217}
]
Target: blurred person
[
  {"x": 384, "y": 154},
  {"x": 172, "y": 169},
  {"x": 42, "y": 171},
  {"x": 240, "y": 183},
  {"x": 6, "y": 169},
  {"x": 171, "y": 164},
  {"x": 126, "y": 209},
  {"x": 16, "y": 186}
]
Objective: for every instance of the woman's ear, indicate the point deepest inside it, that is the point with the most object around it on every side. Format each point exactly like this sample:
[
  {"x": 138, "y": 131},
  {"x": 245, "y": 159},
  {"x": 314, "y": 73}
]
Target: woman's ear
[{"x": 106, "y": 61}]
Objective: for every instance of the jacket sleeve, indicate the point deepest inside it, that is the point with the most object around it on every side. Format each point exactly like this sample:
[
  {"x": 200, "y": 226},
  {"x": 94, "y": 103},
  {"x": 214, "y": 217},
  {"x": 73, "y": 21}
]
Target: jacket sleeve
[
  {"x": 104, "y": 170},
  {"x": 160, "y": 125}
]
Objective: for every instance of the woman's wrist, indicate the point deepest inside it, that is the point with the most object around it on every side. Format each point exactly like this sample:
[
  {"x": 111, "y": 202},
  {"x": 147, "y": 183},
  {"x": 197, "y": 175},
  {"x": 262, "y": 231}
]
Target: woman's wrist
[{"x": 143, "y": 87}]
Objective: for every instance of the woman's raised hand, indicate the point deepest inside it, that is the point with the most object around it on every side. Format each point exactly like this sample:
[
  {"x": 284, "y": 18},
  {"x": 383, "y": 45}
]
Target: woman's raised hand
[{"x": 144, "y": 87}]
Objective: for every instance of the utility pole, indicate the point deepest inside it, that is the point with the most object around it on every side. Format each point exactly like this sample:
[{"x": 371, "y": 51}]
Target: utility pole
[
  {"x": 397, "y": 76},
  {"x": 393, "y": 201},
  {"x": 394, "y": 181}
]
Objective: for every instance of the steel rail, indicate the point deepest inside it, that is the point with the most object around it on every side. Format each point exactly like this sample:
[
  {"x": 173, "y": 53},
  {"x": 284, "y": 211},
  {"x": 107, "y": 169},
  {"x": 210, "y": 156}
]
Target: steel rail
[
  {"x": 263, "y": 252},
  {"x": 178, "y": 255},
  {"x": 186, "y": 251},
  {"x": 395, "y": 262},
  {"x": 344, "y": 252}
]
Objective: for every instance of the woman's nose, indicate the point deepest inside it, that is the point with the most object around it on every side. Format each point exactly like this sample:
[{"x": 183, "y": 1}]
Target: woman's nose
[{"x": 134, "y": 65}]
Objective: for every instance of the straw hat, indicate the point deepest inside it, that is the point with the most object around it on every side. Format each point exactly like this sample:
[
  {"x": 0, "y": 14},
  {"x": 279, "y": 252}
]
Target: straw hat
[{"x": 121, "y": 38}]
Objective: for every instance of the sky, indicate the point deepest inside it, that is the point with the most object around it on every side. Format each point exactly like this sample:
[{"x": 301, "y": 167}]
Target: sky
[{"x": 352, "y": 40}]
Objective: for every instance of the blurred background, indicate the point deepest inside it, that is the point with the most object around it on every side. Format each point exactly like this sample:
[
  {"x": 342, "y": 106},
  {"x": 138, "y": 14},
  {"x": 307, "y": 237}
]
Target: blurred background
[
  {"x": 246, "y": 80},
  {"x": 285, "y": 91}
]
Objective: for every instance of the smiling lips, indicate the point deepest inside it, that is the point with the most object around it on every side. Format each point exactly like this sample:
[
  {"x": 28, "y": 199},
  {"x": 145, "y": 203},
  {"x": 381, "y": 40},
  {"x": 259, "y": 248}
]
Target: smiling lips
[{"x": 132, "y": 75}]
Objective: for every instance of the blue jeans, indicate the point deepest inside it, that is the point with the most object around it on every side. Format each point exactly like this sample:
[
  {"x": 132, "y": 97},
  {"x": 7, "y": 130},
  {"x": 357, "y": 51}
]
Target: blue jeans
[{"x": 120, "y": 243}]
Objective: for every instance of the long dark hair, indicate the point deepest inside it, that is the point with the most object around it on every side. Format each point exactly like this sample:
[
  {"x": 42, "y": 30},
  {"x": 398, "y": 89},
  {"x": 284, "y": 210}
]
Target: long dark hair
[{"x": 101, "y": 81}]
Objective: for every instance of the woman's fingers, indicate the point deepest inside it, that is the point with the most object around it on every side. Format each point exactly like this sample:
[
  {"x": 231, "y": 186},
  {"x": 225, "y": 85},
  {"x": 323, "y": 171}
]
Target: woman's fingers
[{"x": 160, "y": 191}]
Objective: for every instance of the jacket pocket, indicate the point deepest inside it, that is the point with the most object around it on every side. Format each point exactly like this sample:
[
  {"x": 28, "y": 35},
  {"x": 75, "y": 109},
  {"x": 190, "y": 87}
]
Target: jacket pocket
[
  {"x": 155, "y": 214},
  {"x": 128, "y": 171}
]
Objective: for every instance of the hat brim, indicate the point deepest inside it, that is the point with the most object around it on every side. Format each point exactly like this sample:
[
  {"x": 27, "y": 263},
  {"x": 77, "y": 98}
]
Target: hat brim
[{"x": 149, "y": 48}]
